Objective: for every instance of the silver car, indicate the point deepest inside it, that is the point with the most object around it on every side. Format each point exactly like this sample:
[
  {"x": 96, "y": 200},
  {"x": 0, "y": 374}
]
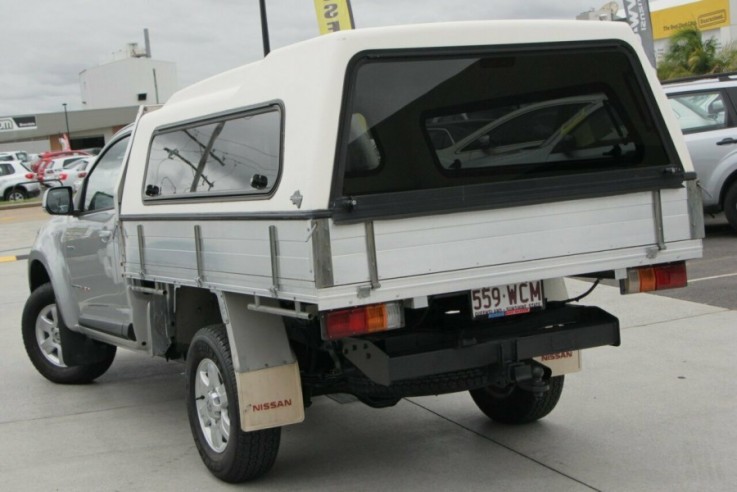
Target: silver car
[{"x": 706, "y": 111}]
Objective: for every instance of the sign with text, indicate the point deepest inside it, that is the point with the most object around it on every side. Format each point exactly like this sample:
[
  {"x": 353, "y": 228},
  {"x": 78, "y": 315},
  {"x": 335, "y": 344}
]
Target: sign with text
[
  {"x": 703, "y": 15},
  {"x": 638, "y": 16},
  {"x": 15, "y": 123},
  {"x": 334, "y": 15}
]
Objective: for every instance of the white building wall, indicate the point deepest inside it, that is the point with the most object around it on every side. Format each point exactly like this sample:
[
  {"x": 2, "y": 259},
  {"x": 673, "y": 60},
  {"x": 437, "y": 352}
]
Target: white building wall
[{"x": 119, "y": 83}]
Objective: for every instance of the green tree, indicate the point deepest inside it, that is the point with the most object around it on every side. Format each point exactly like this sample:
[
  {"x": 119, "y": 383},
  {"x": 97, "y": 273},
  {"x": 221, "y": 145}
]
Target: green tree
[{"x": 688, "y": 54}]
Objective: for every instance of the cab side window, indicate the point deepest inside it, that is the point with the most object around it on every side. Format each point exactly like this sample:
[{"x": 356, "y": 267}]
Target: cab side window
[
  {"x": 229, "y": 156},
  {"x": 100, "y": 185}
]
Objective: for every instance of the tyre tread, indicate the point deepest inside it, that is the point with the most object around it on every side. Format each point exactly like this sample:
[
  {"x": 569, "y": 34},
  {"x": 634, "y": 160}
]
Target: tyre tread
[
  {"x": 730, "y": 205},
  {"x": 519, "y": 407}
]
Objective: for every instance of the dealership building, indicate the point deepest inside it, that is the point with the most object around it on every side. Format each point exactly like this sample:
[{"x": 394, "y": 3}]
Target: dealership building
[{"x": 111, "y": 95}]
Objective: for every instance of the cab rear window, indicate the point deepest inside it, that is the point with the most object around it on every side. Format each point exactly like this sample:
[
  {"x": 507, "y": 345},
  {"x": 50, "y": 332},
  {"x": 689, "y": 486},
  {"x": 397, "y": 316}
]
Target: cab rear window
[{"x": 427, "y": 128}]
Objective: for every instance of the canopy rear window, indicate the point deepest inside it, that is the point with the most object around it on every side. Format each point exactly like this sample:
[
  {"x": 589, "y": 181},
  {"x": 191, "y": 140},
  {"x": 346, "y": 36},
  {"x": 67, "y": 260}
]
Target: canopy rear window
[{"x": 424, "y": 132}]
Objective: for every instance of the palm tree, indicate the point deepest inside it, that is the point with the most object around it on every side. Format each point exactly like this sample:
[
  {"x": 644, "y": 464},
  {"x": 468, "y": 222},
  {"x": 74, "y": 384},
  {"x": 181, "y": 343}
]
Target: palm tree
[{"x": 688, "y": 54}]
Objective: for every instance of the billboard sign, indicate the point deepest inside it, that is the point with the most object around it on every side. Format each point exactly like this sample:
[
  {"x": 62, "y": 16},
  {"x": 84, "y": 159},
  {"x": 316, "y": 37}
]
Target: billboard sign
[
  {"x": 15, "y": 123},
  {"x": 703, "y": 15}
]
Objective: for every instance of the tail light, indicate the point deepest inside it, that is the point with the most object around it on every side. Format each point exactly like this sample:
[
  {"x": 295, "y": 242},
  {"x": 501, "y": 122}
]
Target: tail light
[
  {"x": 63, "y": 176},
  {"x": 362, "y": 320},
  {"x": 30, "y": 176},
  {"x": 82, "y": 174},
  {"x": 656, "y": 277}
]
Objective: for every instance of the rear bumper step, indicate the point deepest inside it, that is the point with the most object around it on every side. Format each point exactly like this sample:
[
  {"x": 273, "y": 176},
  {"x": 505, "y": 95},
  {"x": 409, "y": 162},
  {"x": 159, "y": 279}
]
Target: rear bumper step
[{"x": 546, "y": 332}]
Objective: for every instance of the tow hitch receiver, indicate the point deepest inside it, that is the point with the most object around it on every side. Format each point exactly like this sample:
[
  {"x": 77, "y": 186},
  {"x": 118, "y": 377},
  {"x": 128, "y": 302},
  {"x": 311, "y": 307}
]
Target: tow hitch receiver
[{"x": 529, "y": 377}]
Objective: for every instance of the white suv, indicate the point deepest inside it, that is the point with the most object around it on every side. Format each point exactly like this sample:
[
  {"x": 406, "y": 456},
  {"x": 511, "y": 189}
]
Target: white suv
[
  {"x": 706, "y": 109},
  {"x": 17, "y": 182}
]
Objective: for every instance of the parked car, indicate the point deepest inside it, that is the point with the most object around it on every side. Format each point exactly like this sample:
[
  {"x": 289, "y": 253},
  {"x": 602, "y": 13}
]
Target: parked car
[
  {"x": 706, "y": 110},
  {"x": 17, "y": 182},
  {"x": 14, "y": 155},
  {"x": 45, "y": 157},
  {"x": 74, "y": 172},
  {"x": 49, "y": 173},
  {"x": 549, "y": 129}
]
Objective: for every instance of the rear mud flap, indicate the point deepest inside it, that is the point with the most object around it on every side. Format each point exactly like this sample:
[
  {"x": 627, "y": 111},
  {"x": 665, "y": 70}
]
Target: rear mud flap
[{"x": 270, "y": 397}]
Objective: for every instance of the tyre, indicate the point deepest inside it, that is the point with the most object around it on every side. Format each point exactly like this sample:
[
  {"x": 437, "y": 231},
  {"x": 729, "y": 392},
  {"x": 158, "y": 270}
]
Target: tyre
[
  {"x": 14, "y": 194},
  {"x": 730, "y": 205},
  {"x": 41, "y": 326},
  {"x": 214, "y": 414},
  {"x": 512, "y": 405}
]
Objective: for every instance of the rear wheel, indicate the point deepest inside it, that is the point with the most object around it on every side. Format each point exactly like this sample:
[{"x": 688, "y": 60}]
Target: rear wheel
[
  {"x": 42, "y": 326},
  {"x": 730, "y": 205},
  {"x": 513, "y": 405},
  {"x": 15, "y": 194},
  {"x": 214, "y": 414}
]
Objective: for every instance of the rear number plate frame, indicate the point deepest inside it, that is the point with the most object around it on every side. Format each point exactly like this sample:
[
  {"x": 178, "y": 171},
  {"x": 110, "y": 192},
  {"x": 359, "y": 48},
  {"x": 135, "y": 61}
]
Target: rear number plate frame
[{"x": 507, "y": 300}]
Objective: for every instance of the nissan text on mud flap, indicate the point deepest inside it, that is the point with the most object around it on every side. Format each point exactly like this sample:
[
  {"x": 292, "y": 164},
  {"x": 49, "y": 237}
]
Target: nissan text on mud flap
[{"x": 383, "y": 212}]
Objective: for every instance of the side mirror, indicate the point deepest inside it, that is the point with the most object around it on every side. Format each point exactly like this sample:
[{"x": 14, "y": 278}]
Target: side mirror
[
  {"x": 485, "y": 142},
  {"x": 58, "y": 201},
  {"x": 716, "y": 107}
]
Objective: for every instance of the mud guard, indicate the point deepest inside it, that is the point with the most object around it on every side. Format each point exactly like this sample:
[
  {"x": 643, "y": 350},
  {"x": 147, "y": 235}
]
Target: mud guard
[{"x": 266, "y": 370}]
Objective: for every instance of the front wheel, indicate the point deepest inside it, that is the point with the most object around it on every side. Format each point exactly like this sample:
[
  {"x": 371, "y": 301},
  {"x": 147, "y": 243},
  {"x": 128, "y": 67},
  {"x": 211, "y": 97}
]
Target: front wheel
[
  {"x": 513, "y": 405},
  {"x": 730, "y": 205},
  {"x": 214, "y": 414},
  {"x": 42, "y": 326}
]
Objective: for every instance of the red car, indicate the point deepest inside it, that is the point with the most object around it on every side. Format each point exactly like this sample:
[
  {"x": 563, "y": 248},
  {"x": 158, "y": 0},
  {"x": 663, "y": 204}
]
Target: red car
[{"x": 46, "y": 157}]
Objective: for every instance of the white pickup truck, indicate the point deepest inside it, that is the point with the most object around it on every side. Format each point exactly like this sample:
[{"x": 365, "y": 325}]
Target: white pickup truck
[{"x": 383, "y": 213}]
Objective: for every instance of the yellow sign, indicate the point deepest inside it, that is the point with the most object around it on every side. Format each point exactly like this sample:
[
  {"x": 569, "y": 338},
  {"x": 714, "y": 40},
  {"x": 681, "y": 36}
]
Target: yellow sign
[
  {"x": 703, "y": 15},
  {"x": 333, "y": 15}
]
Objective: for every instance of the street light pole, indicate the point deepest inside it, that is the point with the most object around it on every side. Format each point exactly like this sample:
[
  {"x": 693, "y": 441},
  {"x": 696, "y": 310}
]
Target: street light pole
[
  {"x": 264, "y": 27},
  {"x": 66, "y": 119}
]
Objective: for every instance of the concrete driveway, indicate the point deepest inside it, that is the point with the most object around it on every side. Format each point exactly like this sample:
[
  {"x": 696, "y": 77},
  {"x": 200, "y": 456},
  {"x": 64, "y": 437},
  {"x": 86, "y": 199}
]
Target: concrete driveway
[{"x": 656, "y": 413}]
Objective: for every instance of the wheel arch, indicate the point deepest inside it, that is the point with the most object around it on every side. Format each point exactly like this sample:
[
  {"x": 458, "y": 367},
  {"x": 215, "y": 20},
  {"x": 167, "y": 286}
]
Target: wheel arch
[
  {"x": 42, "y": 271},
  {"x": 10, "y": 188},
  {"x": 728, "y": 182}
]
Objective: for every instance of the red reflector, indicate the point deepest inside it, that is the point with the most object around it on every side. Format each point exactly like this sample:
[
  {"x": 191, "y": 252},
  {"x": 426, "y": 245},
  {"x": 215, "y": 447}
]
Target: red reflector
[
  {"x": 82, "y": 174},
  {"x": 63, "y": 176}
]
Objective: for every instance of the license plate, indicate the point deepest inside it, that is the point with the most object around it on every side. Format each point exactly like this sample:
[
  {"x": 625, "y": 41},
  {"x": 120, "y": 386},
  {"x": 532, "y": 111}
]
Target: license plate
[{"x": 507, "y": 300}]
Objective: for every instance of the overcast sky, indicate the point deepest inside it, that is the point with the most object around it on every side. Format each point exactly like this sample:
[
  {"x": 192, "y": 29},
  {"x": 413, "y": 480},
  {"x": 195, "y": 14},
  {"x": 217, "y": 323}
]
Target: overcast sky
[{"x": 47, "y": 43}]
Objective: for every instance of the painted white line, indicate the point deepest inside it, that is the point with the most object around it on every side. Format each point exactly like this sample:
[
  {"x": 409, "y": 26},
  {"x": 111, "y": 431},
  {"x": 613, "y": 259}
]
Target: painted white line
[{"x": 691, "y": 280}]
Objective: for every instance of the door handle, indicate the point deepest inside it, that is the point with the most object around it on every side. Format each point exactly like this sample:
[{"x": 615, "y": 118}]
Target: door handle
[{"x": 727, "y": 141}]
